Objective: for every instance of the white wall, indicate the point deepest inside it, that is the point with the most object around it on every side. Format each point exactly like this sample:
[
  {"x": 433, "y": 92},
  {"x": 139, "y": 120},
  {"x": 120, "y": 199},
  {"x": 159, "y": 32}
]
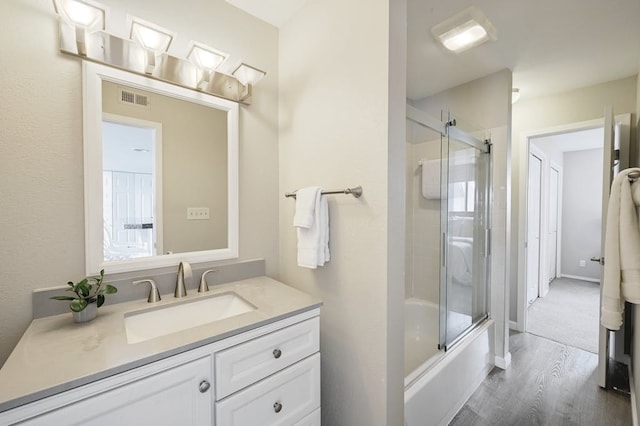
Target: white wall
[
  {"x": 342, "y": 123},
  {"x": 545, "y": 112},
  {"x": 581, "y": 213},
  {"x": 41, "y": 219}
]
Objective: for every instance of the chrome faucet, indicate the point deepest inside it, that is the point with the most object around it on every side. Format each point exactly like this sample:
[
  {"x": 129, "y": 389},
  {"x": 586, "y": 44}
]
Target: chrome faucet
[{"x": 184, "y": 277}]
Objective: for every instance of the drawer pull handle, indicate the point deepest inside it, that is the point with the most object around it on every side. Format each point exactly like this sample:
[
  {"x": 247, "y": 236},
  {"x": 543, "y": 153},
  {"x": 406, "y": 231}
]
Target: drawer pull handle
[
  {"x": 204, "y": 386},
  {"x": 277, "y": 353},
  {"x": 277, "y": 407}
]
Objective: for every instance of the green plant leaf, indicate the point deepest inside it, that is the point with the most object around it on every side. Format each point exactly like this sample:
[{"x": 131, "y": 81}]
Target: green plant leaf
[
  {"x": 83, "y": 289},
  {"x": 70, "y": 284},
  {"x": 100, "y": 300},
  {"x": 108, "y": 289},
  {"x": 78, "y": 305},
  {"x": 62, "y": 298}
]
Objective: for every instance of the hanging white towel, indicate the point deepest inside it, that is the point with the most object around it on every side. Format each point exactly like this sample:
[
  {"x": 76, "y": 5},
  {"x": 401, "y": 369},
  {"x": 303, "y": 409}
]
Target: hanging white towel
[
  {"x": 313, "y": 240},
  {"x": 430, "y": 179},
  {"x": 622, "y": 252}
]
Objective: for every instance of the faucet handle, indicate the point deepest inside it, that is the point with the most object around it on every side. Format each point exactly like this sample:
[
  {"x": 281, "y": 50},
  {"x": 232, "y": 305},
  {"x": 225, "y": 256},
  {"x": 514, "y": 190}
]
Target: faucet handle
[
  {"x": 203, "y": 281},
  {"x": 154, "y": 294}
]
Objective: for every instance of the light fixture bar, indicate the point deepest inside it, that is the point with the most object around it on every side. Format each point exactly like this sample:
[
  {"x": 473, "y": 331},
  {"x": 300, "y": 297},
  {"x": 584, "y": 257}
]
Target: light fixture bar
[{"x": 464, "y": 30}]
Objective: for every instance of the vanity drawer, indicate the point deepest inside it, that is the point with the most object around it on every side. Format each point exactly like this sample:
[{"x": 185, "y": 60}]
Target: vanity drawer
[
  {"x": 312, "y": 419},
  {"x": 249, "y": 362},
  {"x": 285, "y": 398}
]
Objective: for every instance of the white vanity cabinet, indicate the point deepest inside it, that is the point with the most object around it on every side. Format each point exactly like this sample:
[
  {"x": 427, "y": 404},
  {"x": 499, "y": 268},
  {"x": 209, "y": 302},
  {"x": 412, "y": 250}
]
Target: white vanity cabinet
[{"x": 265, "y": 376}]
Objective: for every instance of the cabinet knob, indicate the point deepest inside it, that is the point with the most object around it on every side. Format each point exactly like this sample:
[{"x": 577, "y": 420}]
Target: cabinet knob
[
  {"x": 277, "y": 407},
  {"x": 204, "y": 386},
  {"x": 277, "y": 353}
]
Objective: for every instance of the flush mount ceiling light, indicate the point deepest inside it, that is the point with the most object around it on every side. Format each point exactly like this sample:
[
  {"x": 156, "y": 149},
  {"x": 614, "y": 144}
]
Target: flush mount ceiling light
[
  {"x": 81, "y": 17},
  {"x": 248, "y": 74},
  {"x": 465, "y": 30}
]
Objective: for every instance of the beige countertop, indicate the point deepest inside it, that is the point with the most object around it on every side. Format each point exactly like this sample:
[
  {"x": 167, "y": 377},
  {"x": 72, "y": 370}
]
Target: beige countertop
[{"x": 56, "y": 354}]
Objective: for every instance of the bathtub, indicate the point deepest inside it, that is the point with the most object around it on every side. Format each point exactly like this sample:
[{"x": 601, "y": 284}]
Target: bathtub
[{"x": 437, "y": 384}]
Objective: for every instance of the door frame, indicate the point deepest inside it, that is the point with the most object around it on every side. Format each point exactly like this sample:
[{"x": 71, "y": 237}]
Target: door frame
[
  {"x": 555, "y": 166},
  {"x": 525, "y": 137},
  {"x": 536, "y": 152}
]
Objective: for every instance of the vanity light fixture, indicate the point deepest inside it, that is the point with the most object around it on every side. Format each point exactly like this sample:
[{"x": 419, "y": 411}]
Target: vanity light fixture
[
  {"x": 82, "y": 26},
  {"x": 464, "y": 30},
  {"x": 207, "y": 59},
  {"x": 153, "y": 38},
  {"x": 82, "y": 17},
  {"x": 247, "y": 74}
]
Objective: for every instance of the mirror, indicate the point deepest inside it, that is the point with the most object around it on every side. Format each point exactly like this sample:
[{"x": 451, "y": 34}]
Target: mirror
[{"x": 161, "y": 173}]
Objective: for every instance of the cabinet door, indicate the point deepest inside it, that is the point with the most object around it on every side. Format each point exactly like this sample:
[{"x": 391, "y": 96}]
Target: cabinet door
[{"x": 171, "y": 397}]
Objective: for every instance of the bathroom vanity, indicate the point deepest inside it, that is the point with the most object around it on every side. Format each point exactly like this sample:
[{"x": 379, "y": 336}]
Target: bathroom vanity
[{"x": 257, "y": 367}]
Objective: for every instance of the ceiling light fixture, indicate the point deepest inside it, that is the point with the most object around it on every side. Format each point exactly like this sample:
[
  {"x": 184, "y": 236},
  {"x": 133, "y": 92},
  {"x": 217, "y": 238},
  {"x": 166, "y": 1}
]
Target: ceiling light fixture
[{"x": 465, "y": 30}]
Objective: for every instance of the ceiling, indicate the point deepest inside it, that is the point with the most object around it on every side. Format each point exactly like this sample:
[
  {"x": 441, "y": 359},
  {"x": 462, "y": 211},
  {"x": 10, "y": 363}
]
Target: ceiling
[{"x": 550, "y": 45}]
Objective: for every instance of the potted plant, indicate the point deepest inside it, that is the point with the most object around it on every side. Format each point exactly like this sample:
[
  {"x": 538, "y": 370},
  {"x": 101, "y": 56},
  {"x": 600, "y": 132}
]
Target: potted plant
[{"x": 90, "y": 294}]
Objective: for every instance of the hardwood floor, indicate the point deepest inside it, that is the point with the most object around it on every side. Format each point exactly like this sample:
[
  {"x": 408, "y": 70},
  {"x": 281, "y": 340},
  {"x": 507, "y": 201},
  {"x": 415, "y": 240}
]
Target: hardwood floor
[{"x": 548, "y": 383}]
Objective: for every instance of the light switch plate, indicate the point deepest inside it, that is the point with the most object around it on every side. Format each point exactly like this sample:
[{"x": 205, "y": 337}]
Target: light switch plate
[{"x": 197, "y": 213}]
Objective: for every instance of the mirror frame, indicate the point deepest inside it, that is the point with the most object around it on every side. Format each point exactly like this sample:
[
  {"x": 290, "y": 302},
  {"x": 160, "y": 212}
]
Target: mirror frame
[{"x": 93, "y": 74}]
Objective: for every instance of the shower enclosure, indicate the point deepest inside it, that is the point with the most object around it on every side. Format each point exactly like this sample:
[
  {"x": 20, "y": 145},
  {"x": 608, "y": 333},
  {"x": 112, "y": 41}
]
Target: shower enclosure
[{"x": 448, "y": 207}]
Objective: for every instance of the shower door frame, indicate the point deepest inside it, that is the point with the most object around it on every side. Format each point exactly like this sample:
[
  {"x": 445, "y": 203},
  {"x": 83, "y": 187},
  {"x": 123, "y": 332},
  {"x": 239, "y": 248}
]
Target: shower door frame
[
  {"x": 484, "y": 146},
  {"x": 447, "y": 129}
]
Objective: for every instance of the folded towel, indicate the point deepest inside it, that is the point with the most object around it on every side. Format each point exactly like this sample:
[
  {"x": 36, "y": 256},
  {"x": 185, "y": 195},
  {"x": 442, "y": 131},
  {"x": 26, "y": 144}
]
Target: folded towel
[
  {"x": 430, "y": 179},
  {"x": 622, "y": 248},
  {"x": 305, "y": 206},
  {"x": 313, "y": 240}
]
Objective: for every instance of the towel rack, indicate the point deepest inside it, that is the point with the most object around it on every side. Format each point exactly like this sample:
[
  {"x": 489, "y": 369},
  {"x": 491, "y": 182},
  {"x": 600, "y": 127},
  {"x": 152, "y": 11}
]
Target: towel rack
[{"x": 356, "y": 191}]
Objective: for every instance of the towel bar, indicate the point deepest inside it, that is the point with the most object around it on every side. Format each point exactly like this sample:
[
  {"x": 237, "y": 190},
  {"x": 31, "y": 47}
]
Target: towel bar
[{"x": 356, "y": 191}]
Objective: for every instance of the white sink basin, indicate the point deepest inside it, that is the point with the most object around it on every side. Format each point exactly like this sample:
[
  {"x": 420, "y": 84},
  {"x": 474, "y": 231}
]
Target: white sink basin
[{"x": 141, "y": 326}]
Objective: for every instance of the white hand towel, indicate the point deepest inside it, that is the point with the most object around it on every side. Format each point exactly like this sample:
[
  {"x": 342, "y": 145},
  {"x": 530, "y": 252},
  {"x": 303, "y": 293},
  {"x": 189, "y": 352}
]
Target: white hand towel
[
  {"x": 621, "y": 252},
  {"x": 305, "y": 206},
  {"x": 313, "y": 241},
  {"x": 431, "y": 179}
]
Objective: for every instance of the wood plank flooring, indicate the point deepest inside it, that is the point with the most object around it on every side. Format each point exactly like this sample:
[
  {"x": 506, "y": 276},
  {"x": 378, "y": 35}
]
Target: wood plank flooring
[{"x": 548, "y": 383}]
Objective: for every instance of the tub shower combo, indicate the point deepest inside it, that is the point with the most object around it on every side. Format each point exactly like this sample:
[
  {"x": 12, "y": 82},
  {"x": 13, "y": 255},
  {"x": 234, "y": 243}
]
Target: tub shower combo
[{"x": 448, "y": 257}]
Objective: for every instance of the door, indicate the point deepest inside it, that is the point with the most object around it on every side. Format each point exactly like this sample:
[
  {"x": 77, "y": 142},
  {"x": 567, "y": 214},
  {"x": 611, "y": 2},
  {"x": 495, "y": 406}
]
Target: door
[
  {"x": 554, "y": 181},
  {"x": 533, "y": 227},
  {"x": 607, "y": 178}
]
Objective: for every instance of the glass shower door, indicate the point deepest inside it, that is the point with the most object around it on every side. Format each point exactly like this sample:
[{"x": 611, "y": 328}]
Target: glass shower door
[{"x": 465, "y": 234}]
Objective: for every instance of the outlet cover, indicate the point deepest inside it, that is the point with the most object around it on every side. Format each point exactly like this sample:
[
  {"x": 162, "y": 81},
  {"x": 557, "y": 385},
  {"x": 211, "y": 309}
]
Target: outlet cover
[{"x": 197, "y": 213}]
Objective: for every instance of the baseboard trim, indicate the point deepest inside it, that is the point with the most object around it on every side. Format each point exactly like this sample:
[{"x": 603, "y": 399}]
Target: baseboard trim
[
  {"x": 577, "y": 277},
  {"x": 513, "y": 325},
  {"x": 503, "y": 363}
]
